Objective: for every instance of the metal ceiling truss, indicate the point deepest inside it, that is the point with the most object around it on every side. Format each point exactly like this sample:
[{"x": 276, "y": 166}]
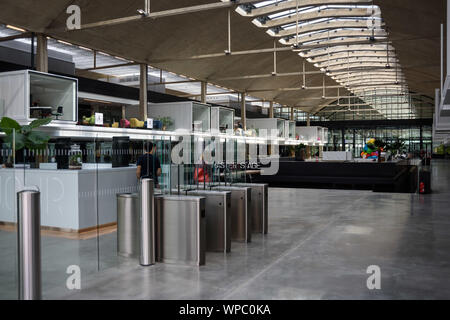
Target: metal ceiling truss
[
  {"x": 319, "y": 26},
  {"x": 279, "y": 6},
  {"x": 347, "y": 49},
  {"x": 312, "y": 15},
  {"x": 333, "y": 33}
]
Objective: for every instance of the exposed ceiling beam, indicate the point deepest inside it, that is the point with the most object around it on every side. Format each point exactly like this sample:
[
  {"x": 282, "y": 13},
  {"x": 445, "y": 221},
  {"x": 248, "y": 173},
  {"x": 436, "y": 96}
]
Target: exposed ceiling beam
[
  {"x": 355, "y": 23},
  {"x": 268, "y": 75},
  {"x": 111, "y": 66},
  {"x": 345, "y": 55},
  {"x": 174, "y": 82},
  {"x": 292, "y": 4},
  {"x": 16, "y": 36},
  {"x": 342, "y": 48},
  {"x": 334, "y": 33},
  {"x": 312, "y": 15},
  {"x": 222, "y": 54},
  {"x": 341, "y": 61},
  {"x": 162, "y": 14}
]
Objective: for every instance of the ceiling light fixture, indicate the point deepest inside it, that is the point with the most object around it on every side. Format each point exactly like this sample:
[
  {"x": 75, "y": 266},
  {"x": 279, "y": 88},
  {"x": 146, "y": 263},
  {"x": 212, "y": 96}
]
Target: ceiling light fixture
[{"x": 15, "y": 28}]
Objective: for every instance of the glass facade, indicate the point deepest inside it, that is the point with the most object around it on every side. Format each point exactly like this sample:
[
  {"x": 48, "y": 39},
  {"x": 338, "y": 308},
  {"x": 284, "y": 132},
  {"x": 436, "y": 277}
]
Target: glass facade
[{"x": 414, "y": 139}]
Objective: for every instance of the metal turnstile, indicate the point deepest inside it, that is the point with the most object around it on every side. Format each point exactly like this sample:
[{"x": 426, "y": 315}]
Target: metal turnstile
[
  {"x": 29, "y": 244},
  {"x": 128, "y": 224},
  {"x": 180, "y": 229},
  {"x": 241, "y": 220},
  {"x": 259, "y": 207},
  {"x": 218, "y": 219}
]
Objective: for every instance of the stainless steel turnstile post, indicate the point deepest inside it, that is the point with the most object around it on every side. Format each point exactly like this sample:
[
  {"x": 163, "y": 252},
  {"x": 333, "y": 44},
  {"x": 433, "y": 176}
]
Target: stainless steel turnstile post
[
  {"x": 218, "y": 219},
  {"x": 147, "y": 223},
  {"x": 241, "y": 218},
  {"x": 128, "y": 224},
  {"x": 181, "y": 229},
  {"x": 259, "y": 206},
  {"x": 29, "y": 244}
]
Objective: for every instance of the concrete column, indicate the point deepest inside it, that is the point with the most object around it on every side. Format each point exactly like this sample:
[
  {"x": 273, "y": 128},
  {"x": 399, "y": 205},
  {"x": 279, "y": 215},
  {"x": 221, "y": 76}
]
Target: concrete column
[
  {"x": 143, "y": 102},
  {"x": 124, "y": 113},
  {"x": 243, "y": 112},
  {"x": 204, "y": 89},
  {"x": 320, "y": 152},
  {"x": 308, "y": 148},
  {"x": 41, "y": 53},
  {"x": 447, "y": 47},
  {"x": 292, "y": 113},
  {"x": 271, "y": 109}
]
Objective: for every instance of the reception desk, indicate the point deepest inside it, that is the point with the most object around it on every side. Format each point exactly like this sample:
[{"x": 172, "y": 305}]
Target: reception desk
[{"x": 71, "y": 200}]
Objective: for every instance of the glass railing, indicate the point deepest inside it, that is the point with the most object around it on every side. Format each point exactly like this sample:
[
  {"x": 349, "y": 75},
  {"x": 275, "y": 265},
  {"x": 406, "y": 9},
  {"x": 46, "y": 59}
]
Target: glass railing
[{"x": 8, "y": 221}]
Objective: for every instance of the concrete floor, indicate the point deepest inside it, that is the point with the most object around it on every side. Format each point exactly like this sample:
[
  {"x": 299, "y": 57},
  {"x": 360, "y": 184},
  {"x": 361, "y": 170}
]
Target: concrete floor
[{"x": 319, "y": 246}]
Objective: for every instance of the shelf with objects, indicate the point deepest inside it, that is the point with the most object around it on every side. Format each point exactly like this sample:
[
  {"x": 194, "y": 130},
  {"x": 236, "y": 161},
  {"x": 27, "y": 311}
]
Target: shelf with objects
[
  {"x": 181, "y": 117},
  {"x": 313, "y": 136},
  {"x": 222, "y": 120},
  {"x": 27, "y": 95}
]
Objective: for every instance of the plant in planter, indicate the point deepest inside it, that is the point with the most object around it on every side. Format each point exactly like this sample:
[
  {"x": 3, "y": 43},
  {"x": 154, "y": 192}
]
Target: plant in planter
[
  {"x": 74, "y": 162},
  {"x": 24, "y": 137},
  {"x": 396, "y": 147},
  {"x": 167, "y": 122},
  {"x": 300, "y": 152}
]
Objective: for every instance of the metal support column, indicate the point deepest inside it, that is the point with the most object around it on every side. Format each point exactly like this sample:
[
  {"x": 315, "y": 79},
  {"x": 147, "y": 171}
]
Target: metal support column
[
  {"x": 354, "y": 143},
  {"x": 42, "y": 53},
  {"x": 147, "y": 224},
  {"x": 204, "y": 89},
  {"x": 421, "y": 138},
  {"x": 271, "y": 109},
  {"x": 243, "y": 112},
  {"x": 32, "y": 51},
  {"x": 308, "y": 148},
  {"x": 29, "y": 244},
  {"x": 143, "y": 102}
]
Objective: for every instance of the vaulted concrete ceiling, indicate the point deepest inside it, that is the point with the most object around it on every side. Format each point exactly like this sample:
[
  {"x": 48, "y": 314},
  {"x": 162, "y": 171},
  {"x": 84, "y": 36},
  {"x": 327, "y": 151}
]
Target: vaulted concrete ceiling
[{"x": 413, "y": 26}]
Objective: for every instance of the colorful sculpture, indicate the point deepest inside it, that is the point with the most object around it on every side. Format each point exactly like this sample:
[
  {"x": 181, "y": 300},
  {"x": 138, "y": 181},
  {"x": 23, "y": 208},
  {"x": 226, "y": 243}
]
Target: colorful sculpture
[{"x": 370, "y": 150}]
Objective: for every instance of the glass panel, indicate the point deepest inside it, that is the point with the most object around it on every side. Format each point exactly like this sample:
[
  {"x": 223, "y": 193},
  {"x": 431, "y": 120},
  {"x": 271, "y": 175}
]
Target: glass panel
[
  {"x": 52, "y": 96},
  {"x": 114, "y": 176},
  {"x": 67, "y": 175},
  {"x": 8, "y": 220}
]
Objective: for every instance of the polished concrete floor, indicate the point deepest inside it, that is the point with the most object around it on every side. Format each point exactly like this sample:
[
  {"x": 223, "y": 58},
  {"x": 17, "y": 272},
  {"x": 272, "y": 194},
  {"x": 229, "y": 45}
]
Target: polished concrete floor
[{"x": 319, "y": 246}]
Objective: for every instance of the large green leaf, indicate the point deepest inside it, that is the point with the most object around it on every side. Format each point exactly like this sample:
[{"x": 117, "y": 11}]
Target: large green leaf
[
  {"x": 18, "y": 138},
  {"x": 38, "y": 138},
  {"x": 7, "y": 125},
  {"x": 40, "y": 122},
  {"x": 26, "y": 129}
]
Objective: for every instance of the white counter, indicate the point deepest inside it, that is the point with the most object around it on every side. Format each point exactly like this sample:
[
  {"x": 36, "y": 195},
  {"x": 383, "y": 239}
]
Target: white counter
[{"x": 70, "y": 199}]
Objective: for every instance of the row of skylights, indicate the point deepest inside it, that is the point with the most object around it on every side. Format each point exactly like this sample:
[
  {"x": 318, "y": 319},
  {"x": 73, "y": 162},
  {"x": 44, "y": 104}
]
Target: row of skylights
[{"x": 345, "y": 39}]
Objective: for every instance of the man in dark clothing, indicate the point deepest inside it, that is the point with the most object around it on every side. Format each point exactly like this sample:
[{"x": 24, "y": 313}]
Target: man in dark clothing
[{"x": 148, "y": 165}]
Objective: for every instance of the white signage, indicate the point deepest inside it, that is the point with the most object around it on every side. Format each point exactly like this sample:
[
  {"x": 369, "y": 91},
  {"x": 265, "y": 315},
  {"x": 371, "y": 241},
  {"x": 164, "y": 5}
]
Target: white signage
[
  {"x": 149, "y": 123},
  {"x": 99, "y": 119}
]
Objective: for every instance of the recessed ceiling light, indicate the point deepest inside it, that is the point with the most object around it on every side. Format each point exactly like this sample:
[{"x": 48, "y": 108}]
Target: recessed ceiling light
[{"x": 15, "y": 28}]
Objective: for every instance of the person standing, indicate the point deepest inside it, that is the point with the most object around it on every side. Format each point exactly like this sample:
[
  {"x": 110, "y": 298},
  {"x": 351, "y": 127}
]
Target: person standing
[{"x": 148, "y": 165}]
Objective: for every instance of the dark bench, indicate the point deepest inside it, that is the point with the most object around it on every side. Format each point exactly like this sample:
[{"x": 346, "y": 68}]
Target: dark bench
[{"x": 386, "y": 176}]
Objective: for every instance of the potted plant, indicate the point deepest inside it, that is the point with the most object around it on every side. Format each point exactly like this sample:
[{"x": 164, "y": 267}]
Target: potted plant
[
  {"x": 166, "y": 123},
  {"x": 300, "y": 152},
  {"x": 24, "y": 137}
]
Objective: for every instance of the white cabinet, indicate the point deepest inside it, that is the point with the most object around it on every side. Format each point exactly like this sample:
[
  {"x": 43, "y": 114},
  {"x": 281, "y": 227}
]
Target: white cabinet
[
  {"x": 27, "y": 95},
  {"x": 271, "y": 125},
  {"x": 222, "y": 119},
  {"x": 292, "y": 133},
  {"x": 187, "y": 116},
  {"x": 312, "y": 135}
]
